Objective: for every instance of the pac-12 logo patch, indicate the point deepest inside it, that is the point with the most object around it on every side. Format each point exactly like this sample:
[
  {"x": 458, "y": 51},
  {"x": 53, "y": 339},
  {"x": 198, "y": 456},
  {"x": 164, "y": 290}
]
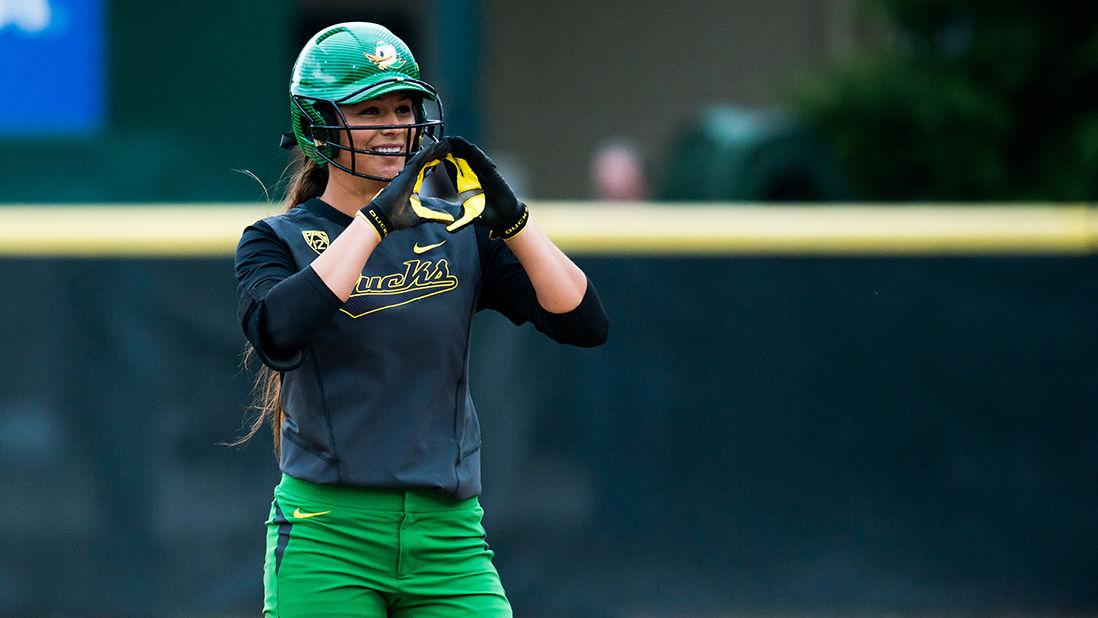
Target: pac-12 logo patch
[
  {"x": 385, "y": 56},
  {"x": 316, "y": 239}
]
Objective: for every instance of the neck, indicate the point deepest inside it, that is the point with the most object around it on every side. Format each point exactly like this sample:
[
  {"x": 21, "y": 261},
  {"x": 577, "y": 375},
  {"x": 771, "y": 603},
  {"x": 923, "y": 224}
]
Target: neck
[{"x": 349, "y": 194}]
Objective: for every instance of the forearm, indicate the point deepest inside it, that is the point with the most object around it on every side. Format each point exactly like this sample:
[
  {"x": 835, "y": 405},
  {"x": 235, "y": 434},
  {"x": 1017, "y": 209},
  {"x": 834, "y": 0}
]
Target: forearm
[
  {"x": 558, "y": 283},
  {"x": 340, "y": 266}
]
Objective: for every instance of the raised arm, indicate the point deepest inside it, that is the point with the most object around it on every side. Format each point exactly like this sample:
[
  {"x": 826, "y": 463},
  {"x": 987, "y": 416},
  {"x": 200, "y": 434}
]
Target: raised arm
[
  {"x": 396, "y": 207},
  {"x": 280, "y": 306},
  {"x": 567, "y": 307},
  {"x": 558, "y": 283}
]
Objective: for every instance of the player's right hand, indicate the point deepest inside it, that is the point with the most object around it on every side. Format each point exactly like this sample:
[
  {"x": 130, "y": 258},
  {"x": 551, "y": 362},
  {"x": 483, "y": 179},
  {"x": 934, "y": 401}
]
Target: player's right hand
[{"x": 397, "y": 206}]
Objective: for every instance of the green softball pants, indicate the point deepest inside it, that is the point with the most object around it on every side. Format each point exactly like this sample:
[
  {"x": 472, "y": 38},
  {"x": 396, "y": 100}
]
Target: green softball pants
[{"x": 349, "y": 551}]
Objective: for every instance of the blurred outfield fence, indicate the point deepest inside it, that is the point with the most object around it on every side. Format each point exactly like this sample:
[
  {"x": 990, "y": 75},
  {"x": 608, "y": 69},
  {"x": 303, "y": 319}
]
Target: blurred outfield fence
[
  {"x": 197, "y": 230},
  {"x": 841, "y": 409}
]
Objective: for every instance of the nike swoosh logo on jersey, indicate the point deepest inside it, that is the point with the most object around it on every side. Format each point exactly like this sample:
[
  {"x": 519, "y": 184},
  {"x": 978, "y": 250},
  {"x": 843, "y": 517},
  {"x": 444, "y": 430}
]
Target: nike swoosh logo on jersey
[
  {"x": 299, "y": 514},
  {"x": 418, "y": 249}
]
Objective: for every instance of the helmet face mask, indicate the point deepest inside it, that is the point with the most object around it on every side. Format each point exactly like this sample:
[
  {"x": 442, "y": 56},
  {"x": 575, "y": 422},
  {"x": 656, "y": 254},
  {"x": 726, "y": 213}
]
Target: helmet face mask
[
  {"x": 323, "y": 124},
  {"x": 337, "y": 68}
]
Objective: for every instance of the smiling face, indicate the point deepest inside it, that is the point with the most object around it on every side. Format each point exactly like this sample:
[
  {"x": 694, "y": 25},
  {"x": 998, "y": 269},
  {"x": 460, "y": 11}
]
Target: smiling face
[{"x": 394, "y": 108}]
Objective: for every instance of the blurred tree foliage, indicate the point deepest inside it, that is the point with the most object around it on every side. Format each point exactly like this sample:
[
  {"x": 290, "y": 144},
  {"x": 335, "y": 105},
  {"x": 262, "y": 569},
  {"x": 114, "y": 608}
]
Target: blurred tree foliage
[{"x": 966, "y": 100}]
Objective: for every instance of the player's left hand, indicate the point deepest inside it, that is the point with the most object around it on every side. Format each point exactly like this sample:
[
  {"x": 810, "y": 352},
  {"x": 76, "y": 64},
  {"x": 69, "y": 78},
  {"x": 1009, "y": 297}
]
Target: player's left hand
[{"x": 486, "y": 197}]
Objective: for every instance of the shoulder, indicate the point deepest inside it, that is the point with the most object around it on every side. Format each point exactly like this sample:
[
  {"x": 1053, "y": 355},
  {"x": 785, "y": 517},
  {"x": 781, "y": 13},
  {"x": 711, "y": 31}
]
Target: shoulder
[
  {"x": 257, "y": 231},
  {"x": 288, "y": 216},
  {"x": 268, "y": 228},
  {"x": 260, "y": 239}
]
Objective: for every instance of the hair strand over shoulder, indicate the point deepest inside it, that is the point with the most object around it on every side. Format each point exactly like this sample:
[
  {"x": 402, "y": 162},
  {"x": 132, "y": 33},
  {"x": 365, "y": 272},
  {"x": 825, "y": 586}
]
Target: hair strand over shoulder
[{"x": 306, "y": 182}]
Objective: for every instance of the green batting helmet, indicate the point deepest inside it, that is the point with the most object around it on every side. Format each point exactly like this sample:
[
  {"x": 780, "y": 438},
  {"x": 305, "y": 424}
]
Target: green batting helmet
[{"x": 350, "y": 63}]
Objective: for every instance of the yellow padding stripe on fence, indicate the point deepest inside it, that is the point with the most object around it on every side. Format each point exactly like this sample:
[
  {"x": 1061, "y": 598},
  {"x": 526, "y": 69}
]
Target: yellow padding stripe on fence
[{"x": 181, "y": 230}]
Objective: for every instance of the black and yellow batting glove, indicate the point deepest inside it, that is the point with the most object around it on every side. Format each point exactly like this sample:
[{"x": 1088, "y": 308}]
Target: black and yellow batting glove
[
  {"x": 487, "y": 198},
  {"x": 397, "y": 206}
]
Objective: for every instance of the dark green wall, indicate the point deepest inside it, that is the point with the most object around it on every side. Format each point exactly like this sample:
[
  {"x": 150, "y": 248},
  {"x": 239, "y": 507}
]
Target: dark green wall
[
  {"x": 198, "y": 89},
  {"x": 195, "y": 90},
  {"x": 781, "y": 434}
]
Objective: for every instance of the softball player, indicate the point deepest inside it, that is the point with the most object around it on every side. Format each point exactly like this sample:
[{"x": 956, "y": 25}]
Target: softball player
[{"x": 358, "y": 299}]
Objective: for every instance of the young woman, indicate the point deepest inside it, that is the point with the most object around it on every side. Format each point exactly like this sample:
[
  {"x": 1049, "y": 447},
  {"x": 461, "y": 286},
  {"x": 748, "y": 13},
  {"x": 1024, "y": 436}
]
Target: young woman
[{"x": 358, "y": 300}]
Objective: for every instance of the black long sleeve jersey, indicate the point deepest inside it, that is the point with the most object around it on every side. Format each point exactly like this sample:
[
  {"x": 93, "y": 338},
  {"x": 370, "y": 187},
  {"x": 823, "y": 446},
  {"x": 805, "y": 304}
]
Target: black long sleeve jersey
[{"x": 376, "y": 390}]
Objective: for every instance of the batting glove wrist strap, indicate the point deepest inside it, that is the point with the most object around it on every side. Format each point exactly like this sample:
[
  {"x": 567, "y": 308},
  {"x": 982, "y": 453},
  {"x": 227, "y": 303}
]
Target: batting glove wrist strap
[
  {"x": 375, "y": 217},
  {"x": 512, "y": 230}
]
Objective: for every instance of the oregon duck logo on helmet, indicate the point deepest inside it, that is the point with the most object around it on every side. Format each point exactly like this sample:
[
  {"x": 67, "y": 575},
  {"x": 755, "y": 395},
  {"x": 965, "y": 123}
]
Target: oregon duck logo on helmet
[
  {"x": 385, "y": 57},
  {"x": 330, "y": 72}
]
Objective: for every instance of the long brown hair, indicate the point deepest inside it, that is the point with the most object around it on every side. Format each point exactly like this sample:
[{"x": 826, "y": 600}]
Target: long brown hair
[{"x": 306, "y": 181}]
